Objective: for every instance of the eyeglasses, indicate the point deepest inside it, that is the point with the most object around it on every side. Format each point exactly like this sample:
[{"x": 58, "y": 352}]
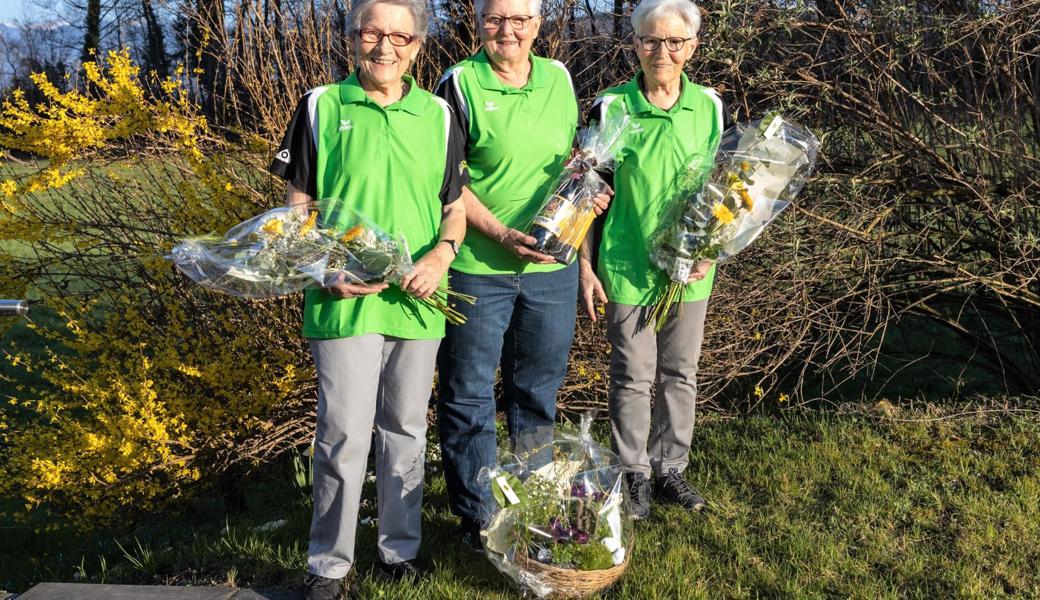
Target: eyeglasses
[
  {"x": 396, "y": 38},
  {"x": 672, "y": 44},
  {"x": 517, "y": 22}
]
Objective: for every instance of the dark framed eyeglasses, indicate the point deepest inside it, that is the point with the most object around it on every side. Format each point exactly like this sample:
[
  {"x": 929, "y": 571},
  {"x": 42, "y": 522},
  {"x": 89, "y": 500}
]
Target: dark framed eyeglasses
[
  {"x": 517, "y": 22},
  {"x": 396, "y": 38},
  {"x": 672, "y": 44}
]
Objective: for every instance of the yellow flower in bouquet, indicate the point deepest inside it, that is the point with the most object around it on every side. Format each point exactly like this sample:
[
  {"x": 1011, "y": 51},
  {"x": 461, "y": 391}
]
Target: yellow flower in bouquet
[
  {"x": 309, "y": 225},
  {"x": 274, "y": 227},
  {"x": 723, "y": 214}
]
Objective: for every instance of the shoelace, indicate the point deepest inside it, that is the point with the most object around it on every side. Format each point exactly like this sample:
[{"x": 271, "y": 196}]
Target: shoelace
[
  {"x": 676, "y": 481},
  {"x": 637, "y": 490}
]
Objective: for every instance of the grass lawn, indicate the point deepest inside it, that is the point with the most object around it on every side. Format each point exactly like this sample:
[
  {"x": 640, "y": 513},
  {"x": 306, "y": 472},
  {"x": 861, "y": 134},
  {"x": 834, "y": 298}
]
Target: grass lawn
[{"x": 802, "y": 505}]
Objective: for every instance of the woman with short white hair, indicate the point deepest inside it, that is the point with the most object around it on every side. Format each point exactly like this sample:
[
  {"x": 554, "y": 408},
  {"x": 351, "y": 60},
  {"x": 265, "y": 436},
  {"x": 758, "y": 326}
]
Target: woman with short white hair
[
  {"x": 673, "y": 120},
  {"x": 519, "y": 113},
  {"x": 374, "y": 346}
]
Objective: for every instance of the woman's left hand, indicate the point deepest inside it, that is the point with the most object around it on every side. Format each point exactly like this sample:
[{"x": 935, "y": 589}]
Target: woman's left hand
[
  {"x": 428, "y": 272},
  {"x": 601, "y": 201},
  {"x": 701, "y": 271}
]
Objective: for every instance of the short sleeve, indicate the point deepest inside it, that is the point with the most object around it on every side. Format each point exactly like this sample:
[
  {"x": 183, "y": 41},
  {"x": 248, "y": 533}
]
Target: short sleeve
[
  {"x": 296, "y": 158},
  {"x": 448, "y": 89},
  {"x": 455, "y": 173}
]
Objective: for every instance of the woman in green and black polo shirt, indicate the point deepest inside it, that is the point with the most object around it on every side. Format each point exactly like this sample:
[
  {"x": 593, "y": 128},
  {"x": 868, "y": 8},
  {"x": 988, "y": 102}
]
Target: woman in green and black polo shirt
[
  {"x": 519, "y": 114},
  {"x": 376, "y": 143},
  {"x": 672, "y": 121}
]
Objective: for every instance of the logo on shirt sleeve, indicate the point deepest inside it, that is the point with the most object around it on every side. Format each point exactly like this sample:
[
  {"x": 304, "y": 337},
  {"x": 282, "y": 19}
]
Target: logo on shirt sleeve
[{"x": 283, "y": 156}]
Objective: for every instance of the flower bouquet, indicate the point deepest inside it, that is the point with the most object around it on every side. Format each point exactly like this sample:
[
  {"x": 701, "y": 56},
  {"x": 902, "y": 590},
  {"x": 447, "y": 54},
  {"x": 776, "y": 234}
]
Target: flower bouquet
[
  {"x": 283, "y": 251},
  {"x": 725, "y": 204},
  {"x": 557, "y": 522},
  {"x": 568, "y": 211}
]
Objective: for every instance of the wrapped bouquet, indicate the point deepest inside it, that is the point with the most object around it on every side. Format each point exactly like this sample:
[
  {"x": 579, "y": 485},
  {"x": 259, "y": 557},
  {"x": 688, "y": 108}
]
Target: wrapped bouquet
[
  {"x": 557, "y": 524},
  {"x": 285, "y": 250},
  {"x": 566, "y": 214},
  {"x": 725, "y": 204}
]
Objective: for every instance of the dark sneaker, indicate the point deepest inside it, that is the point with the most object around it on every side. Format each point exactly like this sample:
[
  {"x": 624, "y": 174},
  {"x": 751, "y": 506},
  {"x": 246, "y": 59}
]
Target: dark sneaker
[
  {"x": 638, "y": 486},
  {"x": 406, "y": 570},
  {"x": 469, "y": 532},
  {"x": 317, "y": 587},
  {"x": 673, "y": 487}
]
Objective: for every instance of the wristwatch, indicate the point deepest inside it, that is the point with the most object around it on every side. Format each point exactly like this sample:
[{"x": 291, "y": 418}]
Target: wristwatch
[{"x": 454, "y": 245}]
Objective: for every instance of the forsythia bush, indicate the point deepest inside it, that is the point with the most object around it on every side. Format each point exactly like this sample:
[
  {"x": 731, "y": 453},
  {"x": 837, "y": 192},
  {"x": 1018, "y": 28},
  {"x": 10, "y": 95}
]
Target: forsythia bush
[{"x": 141, "y": 384}]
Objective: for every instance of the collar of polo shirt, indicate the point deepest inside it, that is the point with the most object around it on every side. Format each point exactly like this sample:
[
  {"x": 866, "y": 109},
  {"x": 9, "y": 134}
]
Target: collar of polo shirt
[
  {"x": 489, "y": 81},
  {"x": 351, "y": 92},
  {"x": 641, "y": 106}
]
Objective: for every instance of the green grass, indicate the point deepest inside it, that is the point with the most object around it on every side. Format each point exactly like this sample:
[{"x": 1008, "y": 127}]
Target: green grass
[{"x": 802, "y": 506}]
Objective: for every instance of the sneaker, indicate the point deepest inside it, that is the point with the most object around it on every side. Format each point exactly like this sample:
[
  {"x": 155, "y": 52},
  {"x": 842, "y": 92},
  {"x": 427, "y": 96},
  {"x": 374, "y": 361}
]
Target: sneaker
[
  {"x": 673, "y": 487},
  {"x": 638, "y": 495},
  {"x": 469, "y": 532},
  {"x": 406, "y": 570},
  {"x": 317, "y": 587}
]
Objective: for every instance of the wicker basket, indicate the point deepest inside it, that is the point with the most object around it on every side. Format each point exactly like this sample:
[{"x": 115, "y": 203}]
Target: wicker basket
[{"x": 571, "y": 583}]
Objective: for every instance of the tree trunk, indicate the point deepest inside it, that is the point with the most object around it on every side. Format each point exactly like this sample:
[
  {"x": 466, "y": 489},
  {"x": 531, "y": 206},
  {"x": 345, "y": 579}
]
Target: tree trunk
[
  {"x": 92, "y": 37},
  {"x": 155, "y": 44}
]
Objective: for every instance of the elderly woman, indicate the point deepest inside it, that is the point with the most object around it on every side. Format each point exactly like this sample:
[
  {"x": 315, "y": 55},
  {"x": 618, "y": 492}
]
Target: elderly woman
[
  {"x": 374, "y": 347},
  {"x": 673, "y": 120},
  {"x": 519, "y": 113}
]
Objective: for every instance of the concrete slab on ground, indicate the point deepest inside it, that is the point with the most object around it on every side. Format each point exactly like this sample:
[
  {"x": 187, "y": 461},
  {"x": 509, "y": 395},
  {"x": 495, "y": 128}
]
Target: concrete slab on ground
[{"x": 100, "y": 591}]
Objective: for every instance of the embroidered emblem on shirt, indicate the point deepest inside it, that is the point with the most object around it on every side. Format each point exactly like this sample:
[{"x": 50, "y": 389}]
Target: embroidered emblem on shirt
[
  {"x": 637, "y": 128},
  {"x": 345, "y": 125},
  {"x": 490, "y": 106},
  {"x": 283, "y": 156}
]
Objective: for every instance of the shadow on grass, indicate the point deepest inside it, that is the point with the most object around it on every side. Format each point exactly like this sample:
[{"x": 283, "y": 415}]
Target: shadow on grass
[{"x": 800, "y": 505}]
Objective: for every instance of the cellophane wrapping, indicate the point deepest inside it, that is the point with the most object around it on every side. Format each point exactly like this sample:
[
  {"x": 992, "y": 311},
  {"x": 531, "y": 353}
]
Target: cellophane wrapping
[
  {"x": 726, "y": 203},
  {"x": 286, "y": 250},
  {"x": 556, "y": 500},
  {"x": 567, "y": 212}
]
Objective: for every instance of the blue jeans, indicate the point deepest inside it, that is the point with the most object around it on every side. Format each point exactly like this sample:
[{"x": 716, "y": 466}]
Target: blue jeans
[{"x": 526, "y": 321}]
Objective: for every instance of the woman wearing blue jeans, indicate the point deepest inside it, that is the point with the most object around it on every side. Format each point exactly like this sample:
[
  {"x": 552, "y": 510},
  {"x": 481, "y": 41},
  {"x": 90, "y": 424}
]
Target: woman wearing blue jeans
[{"x": 520, "y": 114}]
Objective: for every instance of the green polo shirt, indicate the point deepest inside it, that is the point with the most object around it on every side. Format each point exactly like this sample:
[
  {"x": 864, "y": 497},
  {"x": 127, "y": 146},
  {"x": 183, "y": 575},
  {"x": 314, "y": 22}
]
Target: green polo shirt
[
  {"x": 397, "y": 165},
  {"x": 660, "y": 145},
  {"x": 517, "y": 140}
]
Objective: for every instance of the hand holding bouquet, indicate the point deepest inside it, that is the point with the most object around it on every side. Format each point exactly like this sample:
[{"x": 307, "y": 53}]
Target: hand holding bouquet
[
  {"x": 564, "y": 219},
  {"x": 724, "y": 206},
  {"x": 285, "y": 250},
  {"x": 558, "y": 522}
]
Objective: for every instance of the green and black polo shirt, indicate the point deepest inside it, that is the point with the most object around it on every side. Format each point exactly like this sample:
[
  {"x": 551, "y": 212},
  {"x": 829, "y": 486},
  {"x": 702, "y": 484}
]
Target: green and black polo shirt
[
  {"x": 398, "y": 165},
  {"x": 660, "y": 145},
  {"x": 517, "y": 140}
]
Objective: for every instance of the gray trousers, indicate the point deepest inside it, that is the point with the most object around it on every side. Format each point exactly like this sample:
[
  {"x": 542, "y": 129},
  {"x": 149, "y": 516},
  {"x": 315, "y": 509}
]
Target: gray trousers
[
  {"x": 640, "y": 356},
  {"x": 363, "y": 381}
]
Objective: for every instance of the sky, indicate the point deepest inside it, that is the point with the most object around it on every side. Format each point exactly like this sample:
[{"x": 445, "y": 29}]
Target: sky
[{"x": 12, "y": 9}]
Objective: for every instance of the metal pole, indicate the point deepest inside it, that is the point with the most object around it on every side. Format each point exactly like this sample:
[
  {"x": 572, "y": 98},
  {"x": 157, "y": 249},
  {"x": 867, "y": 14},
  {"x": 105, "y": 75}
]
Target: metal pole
[{"x": 13, "y": 308}]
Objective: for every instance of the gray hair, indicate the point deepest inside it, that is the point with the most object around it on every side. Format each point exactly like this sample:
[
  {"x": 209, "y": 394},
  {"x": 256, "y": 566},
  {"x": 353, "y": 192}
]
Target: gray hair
[
  {"x": 479, "y": 5},
  {"x": 416, "y": 7},
  {"x": 652, "y": 10}
]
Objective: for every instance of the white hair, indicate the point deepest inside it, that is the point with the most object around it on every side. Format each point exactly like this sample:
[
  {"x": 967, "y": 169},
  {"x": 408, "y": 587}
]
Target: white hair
[
  {"x": 479, "y": 5},
  {"x": 652, "y": 10},
  {"x": 417, "y": 7}
]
